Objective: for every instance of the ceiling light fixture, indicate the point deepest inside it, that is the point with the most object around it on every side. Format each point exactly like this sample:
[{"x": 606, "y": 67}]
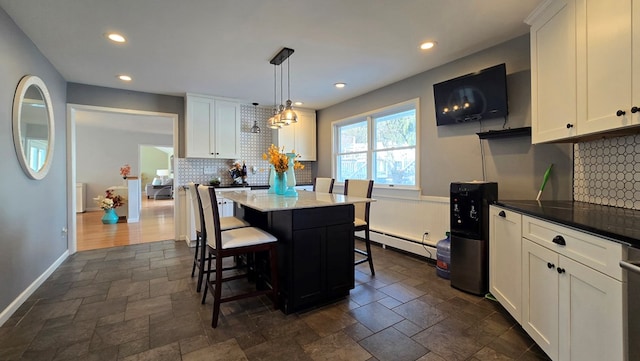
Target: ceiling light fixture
[
  {"x": 124, "y": 77},
  {"x": 427, "y": 45},
  {"x": 340, "y": 85},
  {"x": 287, "y": 114},
  {"x": 298, "y": 103},
  {"x": 255, "y": 128},
  {"x": 117, "y": 38}
]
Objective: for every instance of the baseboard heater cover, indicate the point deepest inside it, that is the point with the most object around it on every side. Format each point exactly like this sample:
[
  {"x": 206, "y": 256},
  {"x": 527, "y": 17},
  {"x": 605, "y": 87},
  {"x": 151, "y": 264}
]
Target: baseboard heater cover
[{"x": 404, "y": 244}]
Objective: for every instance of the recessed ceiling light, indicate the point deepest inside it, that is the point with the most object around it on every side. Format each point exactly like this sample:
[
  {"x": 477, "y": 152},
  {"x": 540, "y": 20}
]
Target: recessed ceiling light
[
  {"x": 124, "y": 77},
  {"x": 340, "y": 85},
  {"x": 115, "y": 37},
  {"x": 298, "y": 103},
  {"x": 427, "y": 45}
]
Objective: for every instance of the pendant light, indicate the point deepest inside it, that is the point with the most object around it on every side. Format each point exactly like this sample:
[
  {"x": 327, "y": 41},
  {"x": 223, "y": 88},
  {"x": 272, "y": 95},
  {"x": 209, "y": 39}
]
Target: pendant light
[
  {"x": 255, "y": 128},
  {"x": 289, "y": 116},
  {"x": 285, "y": 115},
  {"x": 272, "y": 121}
]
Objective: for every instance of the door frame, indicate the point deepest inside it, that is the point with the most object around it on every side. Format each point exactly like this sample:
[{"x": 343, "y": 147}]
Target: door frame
[{"x": 71, "y": 163}]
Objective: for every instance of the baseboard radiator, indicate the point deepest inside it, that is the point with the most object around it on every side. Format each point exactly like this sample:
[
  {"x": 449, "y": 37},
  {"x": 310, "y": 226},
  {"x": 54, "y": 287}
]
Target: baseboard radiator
[{"x": 410, "y": 225}]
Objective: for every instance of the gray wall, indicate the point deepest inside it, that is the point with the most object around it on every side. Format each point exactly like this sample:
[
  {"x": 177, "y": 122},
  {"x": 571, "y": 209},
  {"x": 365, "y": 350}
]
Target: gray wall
[
  {"x": 33, "y": 213},
  {"x": 453, "y": 153},
  {"x": 128, "y": 99},
  {"x": 99, "y": 158}
]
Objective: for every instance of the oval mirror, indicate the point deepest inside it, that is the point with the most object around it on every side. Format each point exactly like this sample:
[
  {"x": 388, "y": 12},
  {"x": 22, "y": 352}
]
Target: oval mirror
[{"x": 33, "y": 126}]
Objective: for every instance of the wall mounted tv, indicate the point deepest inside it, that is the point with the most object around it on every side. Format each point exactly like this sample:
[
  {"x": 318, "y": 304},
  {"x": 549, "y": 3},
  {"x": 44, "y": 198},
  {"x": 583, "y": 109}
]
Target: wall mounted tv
[{"x": 472, "y": 97}]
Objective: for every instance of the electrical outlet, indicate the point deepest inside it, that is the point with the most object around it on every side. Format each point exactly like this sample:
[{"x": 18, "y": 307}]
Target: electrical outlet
[{"x": 208, "y": 170}]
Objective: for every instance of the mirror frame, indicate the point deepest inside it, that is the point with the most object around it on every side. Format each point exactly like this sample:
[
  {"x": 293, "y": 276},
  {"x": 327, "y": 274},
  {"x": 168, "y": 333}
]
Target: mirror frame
[{"x": 24, "y": 84}]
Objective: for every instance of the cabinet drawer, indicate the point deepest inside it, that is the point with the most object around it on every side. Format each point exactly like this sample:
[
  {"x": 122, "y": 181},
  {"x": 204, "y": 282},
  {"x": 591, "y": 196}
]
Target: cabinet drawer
[{"x": 595, "y": 252}]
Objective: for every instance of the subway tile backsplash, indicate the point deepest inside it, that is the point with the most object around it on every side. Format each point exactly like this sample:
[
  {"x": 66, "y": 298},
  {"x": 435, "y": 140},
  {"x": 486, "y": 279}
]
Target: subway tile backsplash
[
  {"x": 252, "y": 148},
  {"x": 607, "y": 172}
]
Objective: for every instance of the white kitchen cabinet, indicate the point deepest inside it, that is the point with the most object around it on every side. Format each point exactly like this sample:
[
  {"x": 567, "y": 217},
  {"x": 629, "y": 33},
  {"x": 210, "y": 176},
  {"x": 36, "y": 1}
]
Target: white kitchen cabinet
[
  {"x": 553, "y": 72},
  {"x": 212, "y": 127},
  {"x": 604, "y": 71},
  {"x": 300, "y": 136},
  {"x": 572, "y": 296},
  {"x": 540, "y": 296},
  {"x": 505, "y": 259},
  {"x": 584, "y": 57}
]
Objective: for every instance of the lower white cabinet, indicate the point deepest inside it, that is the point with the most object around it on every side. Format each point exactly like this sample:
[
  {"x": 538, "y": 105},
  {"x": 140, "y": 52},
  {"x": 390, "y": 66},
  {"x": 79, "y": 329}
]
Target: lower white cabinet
[
  {"x": 505, "y": 259},
  {"x": 571, "y": 299},
  {"x": 572, "y": 311}
]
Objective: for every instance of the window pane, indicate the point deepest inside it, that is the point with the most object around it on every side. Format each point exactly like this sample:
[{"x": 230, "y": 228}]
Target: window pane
[
  {"x": 396, "y": 130},
  {"x": 353, "y": 137},
  {"x": 395, "y": 167},
  {"x": 351, "y": 166}
]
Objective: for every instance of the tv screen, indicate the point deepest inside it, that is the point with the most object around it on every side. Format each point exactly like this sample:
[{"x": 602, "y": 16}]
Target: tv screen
[{"x": 472, "y": 97}]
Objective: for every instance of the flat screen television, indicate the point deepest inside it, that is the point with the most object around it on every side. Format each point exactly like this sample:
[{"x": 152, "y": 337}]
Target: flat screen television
[{"x": 472, "y": 97}]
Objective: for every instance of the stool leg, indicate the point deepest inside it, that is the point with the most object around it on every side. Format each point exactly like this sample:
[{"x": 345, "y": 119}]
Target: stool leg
[
  {"x": 217, "y": 294},
  {"x": 207, "y": 284},
  {"x": 368, "y": 244},
  {"x": 203, "y": 256},
  {"x": 195, "y": 255}
]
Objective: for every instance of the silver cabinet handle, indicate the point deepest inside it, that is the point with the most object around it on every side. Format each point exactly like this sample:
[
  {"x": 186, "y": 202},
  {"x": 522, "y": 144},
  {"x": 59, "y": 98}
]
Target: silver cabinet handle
[{"x": 631, "y": 266}]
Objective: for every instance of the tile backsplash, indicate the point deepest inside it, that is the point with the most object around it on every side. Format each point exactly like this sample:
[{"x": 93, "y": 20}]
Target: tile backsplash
[
  {"x": 253, "y": 145},
  {"x": 607, "y": 172}
]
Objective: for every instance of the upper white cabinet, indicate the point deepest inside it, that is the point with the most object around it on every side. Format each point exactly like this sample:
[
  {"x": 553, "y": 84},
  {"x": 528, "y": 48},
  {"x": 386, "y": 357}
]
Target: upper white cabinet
[
  {"x": 584, "y": 68},
  {"x": 553, "y": 73},
  {"x": 300, "y": 136},
  {"x": 604, "y": 49},
  {"x": 212, "y": 127}
]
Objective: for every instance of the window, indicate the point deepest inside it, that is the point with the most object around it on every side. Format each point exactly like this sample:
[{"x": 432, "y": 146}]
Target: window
[{"x": 380, "y": 145}]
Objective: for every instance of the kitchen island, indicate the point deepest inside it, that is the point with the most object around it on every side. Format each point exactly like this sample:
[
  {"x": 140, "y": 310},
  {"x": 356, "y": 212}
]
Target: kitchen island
[{"x": 315, "y": 242}]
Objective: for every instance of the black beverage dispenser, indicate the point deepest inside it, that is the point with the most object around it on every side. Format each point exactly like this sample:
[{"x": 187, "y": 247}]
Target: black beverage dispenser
[{"x": 469, "y": 212}]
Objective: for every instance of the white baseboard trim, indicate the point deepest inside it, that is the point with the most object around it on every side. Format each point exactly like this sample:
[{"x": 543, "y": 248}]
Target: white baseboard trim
[
  {"x": 13, "y": 306},
  {"x": 190, "y": 242},
  {"x": 415, "y": 247}
]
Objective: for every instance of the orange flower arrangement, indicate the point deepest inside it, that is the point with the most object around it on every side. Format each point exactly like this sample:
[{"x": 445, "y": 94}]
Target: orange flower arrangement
[
  {"x": 125, "y": 170},
  {"x": 280, "y": 160}
]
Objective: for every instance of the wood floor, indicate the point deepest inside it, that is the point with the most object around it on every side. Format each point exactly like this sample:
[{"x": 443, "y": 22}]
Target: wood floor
[{"x": 156, "y": 224}]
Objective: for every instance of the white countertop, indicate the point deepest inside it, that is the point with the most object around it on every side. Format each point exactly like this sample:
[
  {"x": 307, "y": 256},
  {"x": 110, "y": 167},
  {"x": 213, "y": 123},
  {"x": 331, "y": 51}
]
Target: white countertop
[{"x": 266, "y": 202}]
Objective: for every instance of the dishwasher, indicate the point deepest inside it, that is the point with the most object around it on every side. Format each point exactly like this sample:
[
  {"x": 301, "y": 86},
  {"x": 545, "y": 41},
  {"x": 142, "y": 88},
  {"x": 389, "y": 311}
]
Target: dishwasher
[{"x": 632, "y": 268}]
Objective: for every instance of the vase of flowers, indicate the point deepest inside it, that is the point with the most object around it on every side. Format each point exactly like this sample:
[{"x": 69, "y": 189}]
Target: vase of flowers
[
  {"x": 125, "y": 170},
  {"x": 108, "y": 203},
  {"x": 281, "y": 163}
]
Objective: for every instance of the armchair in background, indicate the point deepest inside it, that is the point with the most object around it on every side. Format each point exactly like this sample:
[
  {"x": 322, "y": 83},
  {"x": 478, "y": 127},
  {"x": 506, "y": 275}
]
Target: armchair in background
[{"x": 163, "y": 189}]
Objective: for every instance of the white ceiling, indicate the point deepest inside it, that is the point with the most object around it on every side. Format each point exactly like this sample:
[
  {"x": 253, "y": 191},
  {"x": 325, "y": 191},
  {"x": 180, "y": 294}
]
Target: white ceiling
[{"x": 223, "y": 47}]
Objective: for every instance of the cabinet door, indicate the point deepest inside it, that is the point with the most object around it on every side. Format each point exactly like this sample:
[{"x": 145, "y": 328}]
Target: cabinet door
[
  {"x": 300, "y": 136},
  {"x": 198, "y": 127},
  {"x": 225, "y": 206},
  {"x": 540, "y": 296},
  {"x": 305, "y": 135},
  {"x": 553, "y": 73},
  {"x": 591, "y": 314},
  {"x": 505, "y": 259},
  {"x": 604, "y": 64},
  {"x": 227, "y": 129}
]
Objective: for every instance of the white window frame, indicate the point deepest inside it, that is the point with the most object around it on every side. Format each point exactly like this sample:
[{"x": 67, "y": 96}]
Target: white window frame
[{"x": 368, "y": 117}]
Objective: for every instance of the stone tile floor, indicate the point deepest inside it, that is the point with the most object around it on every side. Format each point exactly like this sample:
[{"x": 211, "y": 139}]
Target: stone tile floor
[{"x": 139, "y": 302}]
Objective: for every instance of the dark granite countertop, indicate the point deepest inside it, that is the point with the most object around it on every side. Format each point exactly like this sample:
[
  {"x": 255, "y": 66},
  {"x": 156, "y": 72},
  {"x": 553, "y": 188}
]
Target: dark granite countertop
[{"x": 619, "y": 224}]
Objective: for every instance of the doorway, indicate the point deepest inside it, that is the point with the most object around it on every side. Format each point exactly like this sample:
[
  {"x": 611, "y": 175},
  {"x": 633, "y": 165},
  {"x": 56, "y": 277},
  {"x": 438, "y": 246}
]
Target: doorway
[{"x": 125, "y": 130}]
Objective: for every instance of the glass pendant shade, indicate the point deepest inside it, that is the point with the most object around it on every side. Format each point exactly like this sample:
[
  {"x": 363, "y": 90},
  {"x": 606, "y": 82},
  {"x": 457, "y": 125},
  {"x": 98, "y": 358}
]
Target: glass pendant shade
[
  {"x": 255, "y": 128},
  {"x": 288, "y": 115}
]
